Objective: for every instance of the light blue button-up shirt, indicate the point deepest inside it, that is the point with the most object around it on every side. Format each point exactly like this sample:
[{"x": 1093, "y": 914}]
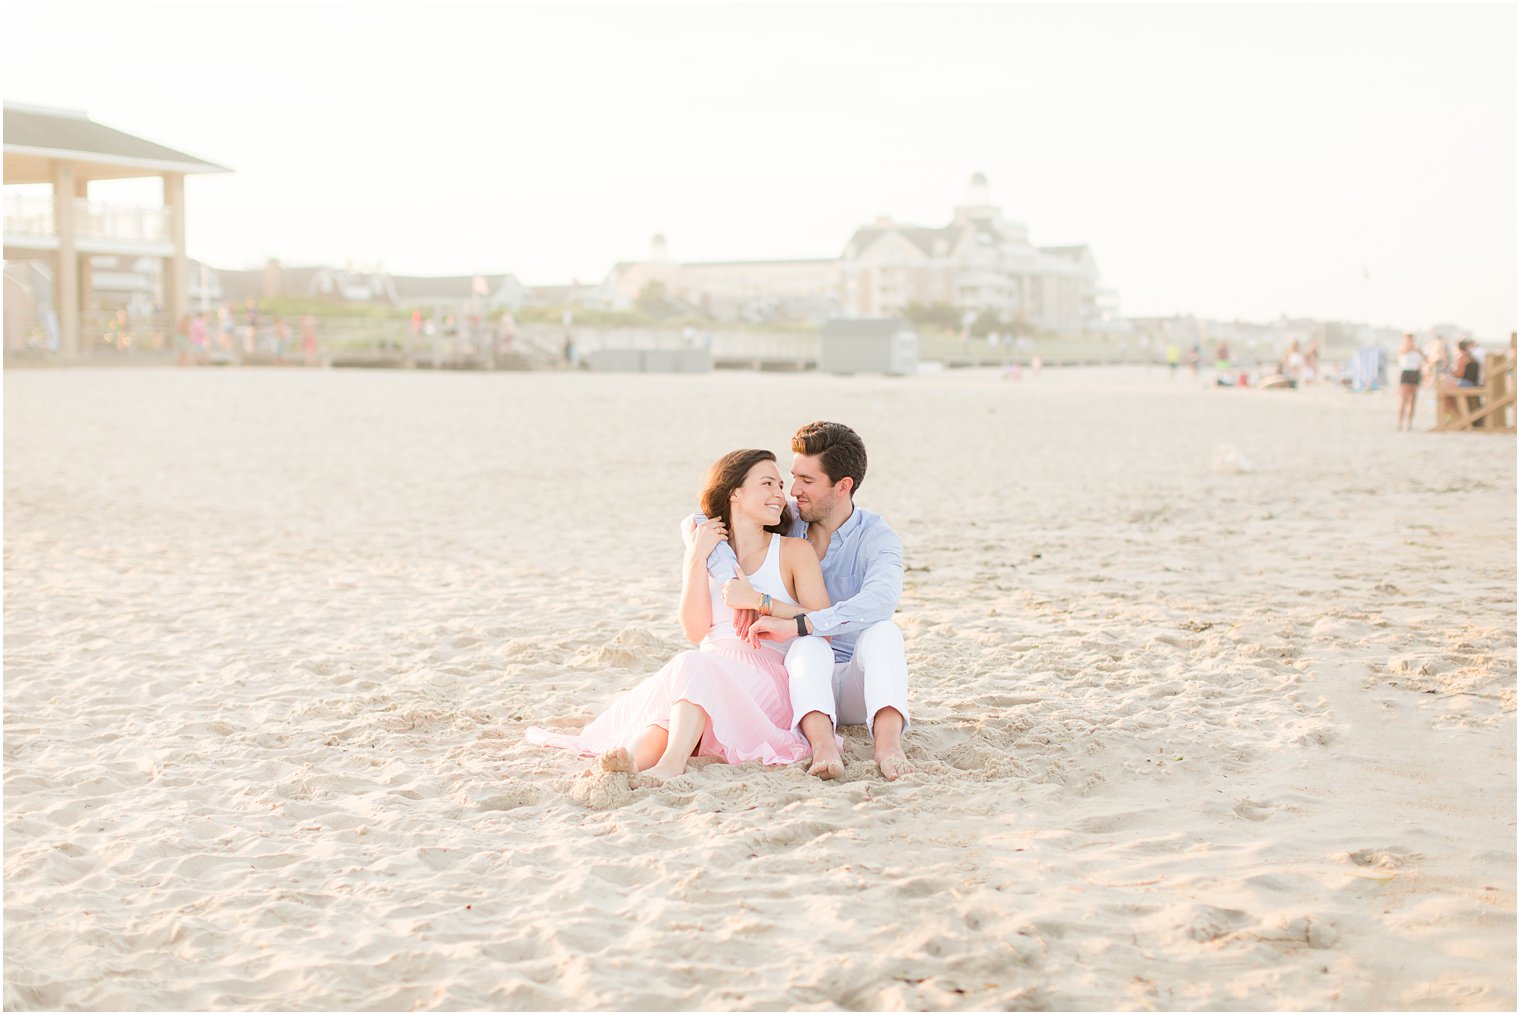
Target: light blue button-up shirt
[{"x": 862, "y": 570}]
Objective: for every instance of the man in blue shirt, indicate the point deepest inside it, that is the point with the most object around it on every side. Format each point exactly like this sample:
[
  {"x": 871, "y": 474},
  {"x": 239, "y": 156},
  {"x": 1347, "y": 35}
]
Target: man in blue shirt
[{"x": 863, "y": 677}]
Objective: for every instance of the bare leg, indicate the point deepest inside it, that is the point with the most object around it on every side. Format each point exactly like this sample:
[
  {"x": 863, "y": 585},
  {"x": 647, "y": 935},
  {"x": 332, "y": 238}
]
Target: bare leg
[
  {"x": 886, "y": 732},
  {"x": 687, "y": 722},
  {"x": 646, "y": 751},
  {"x": 827, "y": 764}
]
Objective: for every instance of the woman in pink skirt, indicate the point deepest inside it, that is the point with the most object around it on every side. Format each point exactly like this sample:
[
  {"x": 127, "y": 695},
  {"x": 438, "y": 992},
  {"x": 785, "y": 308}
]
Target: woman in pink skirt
[{"x": 729, "y": 698}]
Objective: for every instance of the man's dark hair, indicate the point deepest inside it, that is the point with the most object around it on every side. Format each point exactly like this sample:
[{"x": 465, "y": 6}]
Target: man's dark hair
[{"x": 839, "y": 450}]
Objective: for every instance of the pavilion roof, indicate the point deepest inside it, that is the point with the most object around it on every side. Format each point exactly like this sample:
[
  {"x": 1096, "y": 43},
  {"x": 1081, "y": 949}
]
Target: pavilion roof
[{"x": 35, "y": 136}]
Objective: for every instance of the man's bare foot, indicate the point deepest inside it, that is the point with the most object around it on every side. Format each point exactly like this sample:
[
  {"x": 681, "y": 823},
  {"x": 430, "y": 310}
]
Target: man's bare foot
[
  {"x": 659, "y": 773},
  {"x": 886, "y": 733},
  {"x": 819, "y": 731},
  {"x": 618, "y": 759},
  {"x": 893, "y": 763}
]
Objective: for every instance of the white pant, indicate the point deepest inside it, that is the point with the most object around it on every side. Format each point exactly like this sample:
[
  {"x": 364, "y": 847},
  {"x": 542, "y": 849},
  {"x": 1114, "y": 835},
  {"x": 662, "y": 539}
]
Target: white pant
[{"x": 853, "y": 692}]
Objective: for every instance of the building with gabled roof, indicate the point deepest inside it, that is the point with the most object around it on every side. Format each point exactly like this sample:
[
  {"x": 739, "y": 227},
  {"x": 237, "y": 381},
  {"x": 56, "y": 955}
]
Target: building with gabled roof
[
  {"x": 799, "y": 289},
  {"x": 490, "y": 292},
  {"x": 980, "y": 261}
]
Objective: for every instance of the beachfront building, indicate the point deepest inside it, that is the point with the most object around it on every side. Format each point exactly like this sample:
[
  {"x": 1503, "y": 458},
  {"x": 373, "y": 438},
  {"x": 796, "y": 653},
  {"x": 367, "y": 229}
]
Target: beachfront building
[
  {"x": 477, "y": 293},
  {"x": 51, "y": 158},
  {"x": 575, "y": 296},
  {"x": 349, "y": 286},
  {"x": 806, "y": 289},
  {"x": 979, "y": 262}
]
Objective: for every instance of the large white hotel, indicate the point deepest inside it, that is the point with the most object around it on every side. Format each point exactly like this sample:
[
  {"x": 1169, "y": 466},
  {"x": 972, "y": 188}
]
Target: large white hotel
[{"x": 980, "y": 261}]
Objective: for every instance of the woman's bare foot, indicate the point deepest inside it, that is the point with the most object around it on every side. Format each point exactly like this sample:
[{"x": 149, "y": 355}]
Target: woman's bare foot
[
  {"x": 827, "y": 764},
  {"x": 618, "y": 759},
  {"x": 893, "y": 763}
]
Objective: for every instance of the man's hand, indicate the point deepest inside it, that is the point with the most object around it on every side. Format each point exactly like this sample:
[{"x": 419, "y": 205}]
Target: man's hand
[
  {"x": 742, "y": 621},
  {"x": 770, "y": 629},
  {"x": 739, "y": 594}
]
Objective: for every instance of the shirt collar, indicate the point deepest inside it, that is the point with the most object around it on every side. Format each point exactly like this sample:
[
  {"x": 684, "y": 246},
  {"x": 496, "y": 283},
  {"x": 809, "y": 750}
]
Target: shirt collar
[{"x": 850, "y": 524}]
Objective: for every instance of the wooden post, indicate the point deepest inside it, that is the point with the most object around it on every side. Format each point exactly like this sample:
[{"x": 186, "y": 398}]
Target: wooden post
[
  {"x": 176, "y": 268},
  {"x": 66, "y": 281}
]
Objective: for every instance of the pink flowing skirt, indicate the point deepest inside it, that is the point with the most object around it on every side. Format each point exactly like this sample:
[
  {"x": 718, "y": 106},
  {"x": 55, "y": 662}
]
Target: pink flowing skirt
[{"x": 743, "y": 690}]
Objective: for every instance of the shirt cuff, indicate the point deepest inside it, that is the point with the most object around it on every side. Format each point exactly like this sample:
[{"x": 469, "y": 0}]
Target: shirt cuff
[{"x": 824, "y": 621}]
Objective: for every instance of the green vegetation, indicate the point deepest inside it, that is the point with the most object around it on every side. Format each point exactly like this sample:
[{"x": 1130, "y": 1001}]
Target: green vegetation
[
  {"x": 944, "y": 319},
  {"x": 587, "y": 317},
  {"x": 933, "y": 316},
  {"x": 299, "y": 306}
]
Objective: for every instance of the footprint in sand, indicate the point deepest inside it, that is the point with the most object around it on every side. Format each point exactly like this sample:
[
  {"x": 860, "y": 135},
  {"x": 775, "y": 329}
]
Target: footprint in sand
[{"x": 1254, "y": 810}]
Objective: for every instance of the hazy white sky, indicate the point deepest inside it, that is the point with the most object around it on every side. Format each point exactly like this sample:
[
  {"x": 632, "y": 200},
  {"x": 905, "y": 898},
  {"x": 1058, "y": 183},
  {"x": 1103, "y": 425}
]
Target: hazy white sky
[{"x": 1222, "y": 160}]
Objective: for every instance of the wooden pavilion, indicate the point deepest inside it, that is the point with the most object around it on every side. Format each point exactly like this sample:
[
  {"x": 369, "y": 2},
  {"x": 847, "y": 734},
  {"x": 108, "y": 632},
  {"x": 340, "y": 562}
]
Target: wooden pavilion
[{"x": 67, "y": 149}]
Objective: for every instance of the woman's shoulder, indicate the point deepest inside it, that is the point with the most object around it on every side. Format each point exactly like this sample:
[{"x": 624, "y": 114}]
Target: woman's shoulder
[{"x": 796, "y": 548}]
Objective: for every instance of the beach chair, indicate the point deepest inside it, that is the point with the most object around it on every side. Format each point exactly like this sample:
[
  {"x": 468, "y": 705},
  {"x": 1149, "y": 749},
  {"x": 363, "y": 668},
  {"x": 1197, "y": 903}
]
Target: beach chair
[{"x": 1490, "y": 407}]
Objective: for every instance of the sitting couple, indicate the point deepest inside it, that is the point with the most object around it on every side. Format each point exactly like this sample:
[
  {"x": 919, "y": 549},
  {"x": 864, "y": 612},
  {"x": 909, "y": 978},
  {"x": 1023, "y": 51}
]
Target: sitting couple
[{"x": 792, "y": 617}]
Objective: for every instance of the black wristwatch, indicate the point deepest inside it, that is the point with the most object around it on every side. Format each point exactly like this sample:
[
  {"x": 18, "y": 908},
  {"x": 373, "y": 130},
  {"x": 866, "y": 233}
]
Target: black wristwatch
[{"x": 802, "y": 630}]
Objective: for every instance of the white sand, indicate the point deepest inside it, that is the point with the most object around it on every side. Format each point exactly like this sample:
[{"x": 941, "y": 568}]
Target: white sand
[{"x": 1186, "y": 738}]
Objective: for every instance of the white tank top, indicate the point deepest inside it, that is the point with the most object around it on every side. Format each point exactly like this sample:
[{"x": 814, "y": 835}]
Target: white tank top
[{"x": 766, "y": 579}]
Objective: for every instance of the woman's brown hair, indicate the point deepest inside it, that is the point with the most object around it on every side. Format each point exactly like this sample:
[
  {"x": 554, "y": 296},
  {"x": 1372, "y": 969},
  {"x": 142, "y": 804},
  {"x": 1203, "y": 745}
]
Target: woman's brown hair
[{"x": 727, "y": 475}]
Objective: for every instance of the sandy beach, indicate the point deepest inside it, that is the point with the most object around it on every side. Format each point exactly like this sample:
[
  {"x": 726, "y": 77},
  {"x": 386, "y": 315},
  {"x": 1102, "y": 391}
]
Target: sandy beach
[{"x": 1187, "y": 735}]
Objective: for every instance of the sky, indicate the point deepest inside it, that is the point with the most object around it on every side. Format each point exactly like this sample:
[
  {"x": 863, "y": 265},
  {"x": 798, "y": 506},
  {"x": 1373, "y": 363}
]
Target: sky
[{"x": 1351, "y": 162}]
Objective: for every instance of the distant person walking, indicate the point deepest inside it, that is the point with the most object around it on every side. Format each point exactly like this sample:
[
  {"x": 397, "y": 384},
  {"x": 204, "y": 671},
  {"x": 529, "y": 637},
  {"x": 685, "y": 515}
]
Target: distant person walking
[
  {"x": 281, "y": 339},
  {"x": 508, "y": 331},
  {"x": 199, "y": 343},
  {"x": 182, "y": 339},
  {"x": 309, "y": 339},
  {"x": 1292, "y": 366},
  {"x": 568, "y": 351},
  {"x": 1411, "y": 366},
  {"x": 224, "y": 326},
  {"x": 250, "y": 326},
  {"x": 1437, "y": 357},
  {"x": 1173, "y": 359}
]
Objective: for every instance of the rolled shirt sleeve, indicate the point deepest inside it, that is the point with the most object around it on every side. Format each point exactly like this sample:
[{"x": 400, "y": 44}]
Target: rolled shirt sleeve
[
  {"x": 881, "y": 557},
  {"x": 721, "y": 563}
]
